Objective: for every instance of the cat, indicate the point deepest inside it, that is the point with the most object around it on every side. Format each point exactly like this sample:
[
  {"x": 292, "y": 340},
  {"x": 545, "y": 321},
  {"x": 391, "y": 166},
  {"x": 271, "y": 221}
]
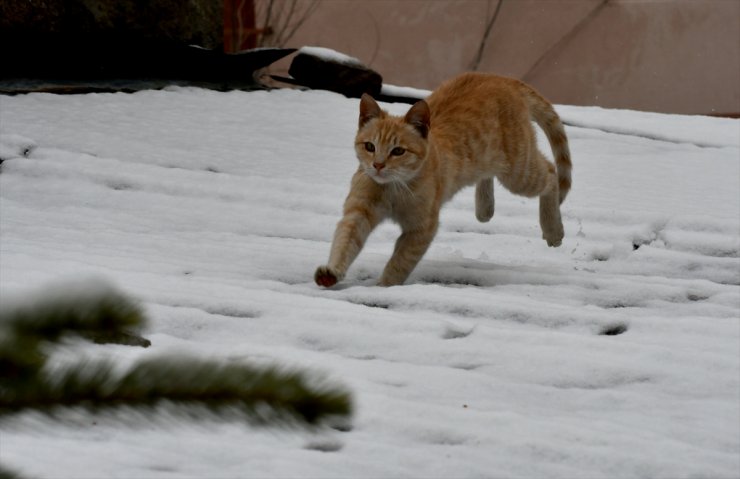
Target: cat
[{"x": 472, "y": 129}]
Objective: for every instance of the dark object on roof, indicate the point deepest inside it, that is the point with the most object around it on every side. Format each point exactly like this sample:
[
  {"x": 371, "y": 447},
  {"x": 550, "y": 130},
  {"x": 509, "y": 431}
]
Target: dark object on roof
[
  {"x": 348, "y": 78},
  {"x": 110, "y": 62}
]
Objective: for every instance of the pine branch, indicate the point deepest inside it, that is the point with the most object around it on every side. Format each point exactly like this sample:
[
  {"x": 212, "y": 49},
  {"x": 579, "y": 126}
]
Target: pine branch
[
  {"x": 90, "y": 309},
  {"x": 263, "y": 395},
  {"x": 116, "y": 337},
  {"x": 6, "y": 473},
  {"x": 86, "y": 307}
]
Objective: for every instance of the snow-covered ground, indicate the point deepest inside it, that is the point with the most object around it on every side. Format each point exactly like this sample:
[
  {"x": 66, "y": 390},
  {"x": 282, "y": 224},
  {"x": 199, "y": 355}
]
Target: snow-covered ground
[{"x": 215, "y": 209}]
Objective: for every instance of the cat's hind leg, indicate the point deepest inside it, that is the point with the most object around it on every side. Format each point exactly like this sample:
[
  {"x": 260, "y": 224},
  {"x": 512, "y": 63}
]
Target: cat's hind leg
[
  {"x": 484, "y": 202},
  {"x": 550, "y": 221},
  {"x": 536, "y": 176}
]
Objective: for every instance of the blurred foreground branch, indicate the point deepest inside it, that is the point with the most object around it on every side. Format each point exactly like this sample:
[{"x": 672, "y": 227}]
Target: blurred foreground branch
[{"x": 264, "y": 395}]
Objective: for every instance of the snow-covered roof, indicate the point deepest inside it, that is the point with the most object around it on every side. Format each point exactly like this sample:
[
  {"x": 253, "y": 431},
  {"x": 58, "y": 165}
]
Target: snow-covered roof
[
  {"x": 329, "y": 55},
  {"x": 496, "y": 359}
]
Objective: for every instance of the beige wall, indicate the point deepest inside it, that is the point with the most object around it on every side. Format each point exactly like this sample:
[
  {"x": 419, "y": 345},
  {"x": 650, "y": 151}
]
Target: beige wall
[{"x": 680, "y": 56}]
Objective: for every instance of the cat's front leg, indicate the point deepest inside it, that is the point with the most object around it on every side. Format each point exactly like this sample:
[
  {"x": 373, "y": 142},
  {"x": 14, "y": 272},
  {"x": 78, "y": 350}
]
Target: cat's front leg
[
  {"x": 410, "y": 247},
  {"x": 349, "y": 238}
]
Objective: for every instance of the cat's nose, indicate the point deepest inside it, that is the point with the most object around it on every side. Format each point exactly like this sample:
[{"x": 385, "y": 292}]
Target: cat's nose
[{"x": 379, "y": 166}]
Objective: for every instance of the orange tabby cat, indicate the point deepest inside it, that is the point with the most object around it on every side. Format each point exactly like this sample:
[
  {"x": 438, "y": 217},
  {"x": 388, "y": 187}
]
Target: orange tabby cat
[{"x": 473, "y": 128}]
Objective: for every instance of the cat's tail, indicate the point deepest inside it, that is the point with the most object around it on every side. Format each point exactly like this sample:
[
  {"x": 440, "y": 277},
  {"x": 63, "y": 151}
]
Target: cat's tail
[{"x": 545, "y": 116}]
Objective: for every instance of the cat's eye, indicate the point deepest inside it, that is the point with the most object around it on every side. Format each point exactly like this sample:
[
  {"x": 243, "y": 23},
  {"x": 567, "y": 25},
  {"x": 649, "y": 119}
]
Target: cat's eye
[
  {"x": 369, "y": 147},
  {"x": 398, "y": 151}
]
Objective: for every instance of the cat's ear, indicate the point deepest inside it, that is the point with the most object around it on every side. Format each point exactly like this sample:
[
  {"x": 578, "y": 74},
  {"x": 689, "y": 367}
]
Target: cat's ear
[
  {"x": 419, "y": 117},
  {"x": 369, "y": 109}
]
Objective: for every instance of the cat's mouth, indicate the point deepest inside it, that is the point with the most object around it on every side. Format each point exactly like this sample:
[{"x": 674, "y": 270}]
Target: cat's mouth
[
  {"x": 381, "y": 177},
  {"x": 385, "y": 176}
]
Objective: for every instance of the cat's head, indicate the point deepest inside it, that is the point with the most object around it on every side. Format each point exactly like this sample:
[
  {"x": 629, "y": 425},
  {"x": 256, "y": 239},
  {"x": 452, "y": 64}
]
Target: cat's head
[{"x": 392, "y": 148}]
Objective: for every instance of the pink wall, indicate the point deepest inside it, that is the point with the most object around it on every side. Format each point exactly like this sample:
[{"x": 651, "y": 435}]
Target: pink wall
[{"x": 678, "y": 56}]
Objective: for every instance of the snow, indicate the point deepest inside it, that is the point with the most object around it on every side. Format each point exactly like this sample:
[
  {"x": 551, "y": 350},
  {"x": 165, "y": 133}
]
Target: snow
[
  {"x": 215, "y": 208},
  {"x": 716, "y": 132},
  {"x": 329, "y": 55},
  {"x": 404, "y": 91}
]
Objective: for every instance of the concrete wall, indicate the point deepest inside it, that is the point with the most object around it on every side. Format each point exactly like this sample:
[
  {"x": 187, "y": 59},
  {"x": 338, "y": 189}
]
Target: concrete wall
[{"x": 677, "y": 56}]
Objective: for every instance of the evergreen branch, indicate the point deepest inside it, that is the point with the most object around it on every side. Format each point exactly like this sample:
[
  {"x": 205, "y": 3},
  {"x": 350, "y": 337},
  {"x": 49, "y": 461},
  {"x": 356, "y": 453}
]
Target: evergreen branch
[
  {"x": 94, "y": 308},
  {"x": 6, "y": 473},
  {"x": 116, "y": 337},
  {"x": 90, "y": 309},
  {"x": 261, "y": 394},
  {"x": 20, "y": 358}
]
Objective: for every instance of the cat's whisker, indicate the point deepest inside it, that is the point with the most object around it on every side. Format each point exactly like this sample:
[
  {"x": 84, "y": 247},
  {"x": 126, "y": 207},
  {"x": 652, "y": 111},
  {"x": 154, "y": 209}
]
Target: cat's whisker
[{"x": 403, "y": 186}]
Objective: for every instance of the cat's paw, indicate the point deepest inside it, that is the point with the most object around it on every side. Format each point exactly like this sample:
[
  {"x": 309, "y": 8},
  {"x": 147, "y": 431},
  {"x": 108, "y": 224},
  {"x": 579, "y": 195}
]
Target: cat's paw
[
  {"x": 553, "y": 234},
  {"x": 484, "y": 212},
  {"x": 554, "y": 239},
  {"x": 325, "y": 277},
  {"x": 387, "y": 280}
]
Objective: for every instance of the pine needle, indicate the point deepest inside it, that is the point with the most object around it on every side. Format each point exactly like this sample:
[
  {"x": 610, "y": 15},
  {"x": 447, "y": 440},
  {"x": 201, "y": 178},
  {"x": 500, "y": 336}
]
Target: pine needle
[{"x": 264, "y": 395}]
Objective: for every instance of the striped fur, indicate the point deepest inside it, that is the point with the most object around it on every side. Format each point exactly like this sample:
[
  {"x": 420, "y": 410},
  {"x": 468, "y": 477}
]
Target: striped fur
[{"x": 472, "y": 129}]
